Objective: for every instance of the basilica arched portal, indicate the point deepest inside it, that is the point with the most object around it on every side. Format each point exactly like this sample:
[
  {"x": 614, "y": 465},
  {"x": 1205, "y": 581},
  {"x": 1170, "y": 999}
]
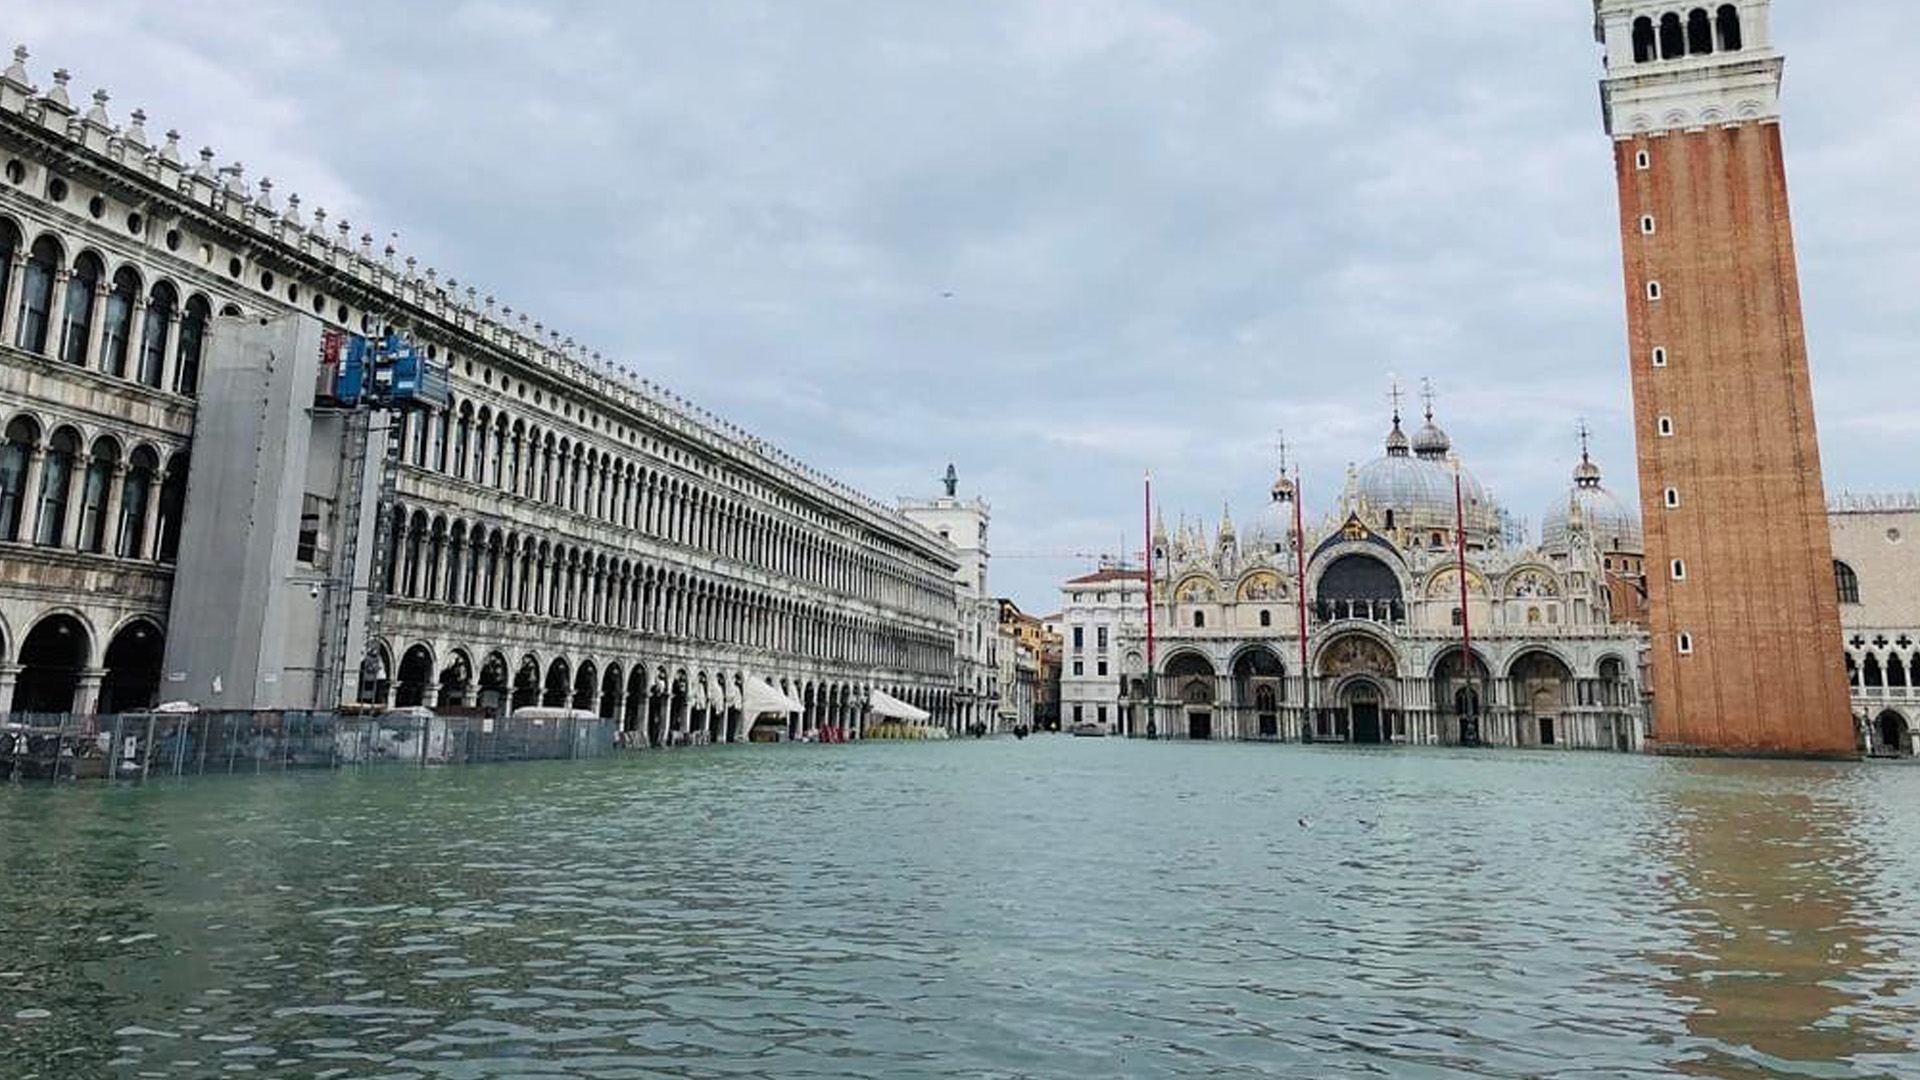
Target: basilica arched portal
[{"x": 1361, "y": 669}]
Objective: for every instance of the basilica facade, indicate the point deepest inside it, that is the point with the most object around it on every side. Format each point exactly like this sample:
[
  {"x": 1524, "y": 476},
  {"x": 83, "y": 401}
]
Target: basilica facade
[{"x": 1359, "y": 628}]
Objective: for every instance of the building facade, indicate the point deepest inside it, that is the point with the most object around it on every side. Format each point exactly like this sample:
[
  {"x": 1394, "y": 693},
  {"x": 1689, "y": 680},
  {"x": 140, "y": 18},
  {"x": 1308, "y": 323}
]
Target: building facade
[
  {"x": 1742, "y": 634},
  {"x": 962, "y": 524},
  {"x": 1103, "y": 630},
  {"x": 1406, "y": 571},
  {"x": 1876, "y": 570},
  {"x": 189, "y": 508}
]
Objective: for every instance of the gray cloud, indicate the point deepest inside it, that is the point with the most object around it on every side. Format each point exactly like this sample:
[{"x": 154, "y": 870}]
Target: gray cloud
[{"x": 1168, "y": 229}]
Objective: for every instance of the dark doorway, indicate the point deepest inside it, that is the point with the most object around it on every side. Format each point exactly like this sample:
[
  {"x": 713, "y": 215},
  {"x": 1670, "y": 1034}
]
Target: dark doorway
[
  {"x": 1366, "y": 723},
  {"x": 1893, "y": 734},
  {"x": 1546, "y": 731},
  {"x": 133, "y": 669},
  {"x": 1200, "y": 726},
  {"x": 50, "y": 661}
]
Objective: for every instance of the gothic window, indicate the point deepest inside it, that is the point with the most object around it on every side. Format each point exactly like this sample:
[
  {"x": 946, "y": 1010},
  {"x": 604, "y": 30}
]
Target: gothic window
[
  {"x": 1699, "y": 32},
  {"x": 117, "y": 328},
  {"x": 193, "y": 338},
  {"x": 79, "y": 311},
  {"x": 36, "y": 294},
  {"x": 1644, "y": 45},
  {"x": 153, "y": 334},
  {"x": 15, "y": 453},
  {"x": 93, "y": 496},
  {"x": 56, "y": 483},
  {"x": 1729, "y": 21},
  {"x": 1673, "y": 37},
  {"x": 135, "y": 494},
  {"x": 1847, "y": 582}
]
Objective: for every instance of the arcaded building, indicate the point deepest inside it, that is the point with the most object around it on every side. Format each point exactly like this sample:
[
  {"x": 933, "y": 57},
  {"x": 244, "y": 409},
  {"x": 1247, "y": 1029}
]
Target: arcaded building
[
  {"x": 1354, "y": 628},
  {"x": 1876, "y": 572},
  {"x": 195, "y": 506}
]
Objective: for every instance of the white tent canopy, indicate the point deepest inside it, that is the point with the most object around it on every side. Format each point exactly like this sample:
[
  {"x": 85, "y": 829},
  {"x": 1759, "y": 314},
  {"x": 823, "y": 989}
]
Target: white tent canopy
[
  {"x": 885, "y": 704},
  {"x": 763, "y": 697}
]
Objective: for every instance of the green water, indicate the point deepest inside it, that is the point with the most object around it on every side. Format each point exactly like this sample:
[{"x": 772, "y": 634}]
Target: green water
[{"x": 1052, "y": 908}]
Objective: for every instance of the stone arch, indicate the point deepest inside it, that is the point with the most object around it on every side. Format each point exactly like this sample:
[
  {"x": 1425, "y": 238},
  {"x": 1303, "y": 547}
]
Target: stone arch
[
  {"x": 456, "y": 678},
  {"x": 1540, "y": 681},
  {"x": 1891, "y": 734},
  {"x": 528, "y": 683},
  {"x": 416, "y": 673},
  {"x": 133, "y": 662},
  {"x": 495, "y": 683},
  {"x": 586, "y": 686},
  {"x": 558, "y": 686},
  {"x": 53, "y": 653}
]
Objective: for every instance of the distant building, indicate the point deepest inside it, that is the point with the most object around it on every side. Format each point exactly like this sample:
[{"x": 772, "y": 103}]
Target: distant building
[
  {"x": 1876, "y": 570},
  {"x": 1098, "y": 612},
  {"x": 1387, "y": 617},
  {"x": 963, "y": 523}
]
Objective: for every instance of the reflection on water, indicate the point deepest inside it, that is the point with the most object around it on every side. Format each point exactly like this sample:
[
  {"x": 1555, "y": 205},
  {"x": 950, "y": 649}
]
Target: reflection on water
[
  {"x": 1794, "y": 885},
  {"x": 1051, "y": 908}
]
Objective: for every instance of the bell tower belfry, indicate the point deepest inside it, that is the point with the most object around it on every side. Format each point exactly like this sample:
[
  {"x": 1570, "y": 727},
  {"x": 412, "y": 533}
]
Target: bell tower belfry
[{"x": 1746, "y": 642}]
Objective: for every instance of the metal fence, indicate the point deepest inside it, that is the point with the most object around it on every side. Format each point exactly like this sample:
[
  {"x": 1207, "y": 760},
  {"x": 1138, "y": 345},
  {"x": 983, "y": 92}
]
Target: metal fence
[{"x": 141, "y": 746}]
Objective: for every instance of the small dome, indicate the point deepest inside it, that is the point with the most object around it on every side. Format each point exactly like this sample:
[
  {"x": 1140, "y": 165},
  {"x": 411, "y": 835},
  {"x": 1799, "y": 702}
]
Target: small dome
[
  {"x": 1614, "y": 526},
  {"x": 1397, "y": 444},
  {"x": 1283, "y": 489},
  {"x": 1430, "y": 441}
]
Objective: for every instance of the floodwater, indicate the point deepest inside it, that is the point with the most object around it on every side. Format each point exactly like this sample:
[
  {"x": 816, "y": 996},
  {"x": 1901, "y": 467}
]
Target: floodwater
[{"x": 1048, "y": 908}]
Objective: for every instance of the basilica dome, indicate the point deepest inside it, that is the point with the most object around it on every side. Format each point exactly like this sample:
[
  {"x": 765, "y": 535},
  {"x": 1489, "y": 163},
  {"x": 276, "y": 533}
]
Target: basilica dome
[
  {"x": 1405, "y": 490},
  {"x": 1614, "y": 526}
]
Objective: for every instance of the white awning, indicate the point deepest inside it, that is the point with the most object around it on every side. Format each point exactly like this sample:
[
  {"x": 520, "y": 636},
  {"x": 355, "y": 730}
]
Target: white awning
[
  {"x": 763, "y": 697},
  {"x": 885, "y": 704}
]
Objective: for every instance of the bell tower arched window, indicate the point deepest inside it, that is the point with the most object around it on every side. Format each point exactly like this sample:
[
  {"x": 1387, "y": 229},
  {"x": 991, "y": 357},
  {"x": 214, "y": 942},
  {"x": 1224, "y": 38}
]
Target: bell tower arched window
[
  {"x": 1729, "y": 26},
  {"x": 1645, "y": 46},
  {"x": 1673, "y": 37},
  {"x": 1699, "y": 32}
]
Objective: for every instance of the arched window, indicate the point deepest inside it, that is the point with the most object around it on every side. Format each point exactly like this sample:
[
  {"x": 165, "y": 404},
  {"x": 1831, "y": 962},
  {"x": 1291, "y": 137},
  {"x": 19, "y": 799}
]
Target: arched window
[
  {"x": 1266, "y": 617},
  {"x": 1645, "y": 47},
  {"x": 56, "y": 486},
  {"x": 1871, "y": 669},
  {"x": 1846, "y": 582},
  {"x": 1729, "y": 28},
  {"x": 1673, "y": 37},
  {"x": 153, "y": 334},
  {"x": 135, "y": 495},
  {"x": 79, "y": 318},
  {"x": 117, "y": 328},
  {"x": 36, "y": 295},
  {"x": 1199, "y": 620},
  {"x": 173, "y": 499},
  {"x": 9, "y": 245},
  {"x": 15, "y": 453},
  {"x": 193, "y": 338},
  {"x": 93, "y": 497},
  {"x": 1699, "y": 32}
]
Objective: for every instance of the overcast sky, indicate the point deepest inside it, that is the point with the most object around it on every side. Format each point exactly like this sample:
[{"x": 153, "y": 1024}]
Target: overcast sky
[{"x": 1055, "y": 243}]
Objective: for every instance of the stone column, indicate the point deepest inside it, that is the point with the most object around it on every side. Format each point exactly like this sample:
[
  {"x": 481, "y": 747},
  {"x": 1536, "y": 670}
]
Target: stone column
[
  {"x": 57, "y": 313},
  {"x": 86, "y": 698},
  {"x": 136, "y": 339},
  {"x": 110, "y": 508},
  {"x": 9, "y": 675},
  {"x": 170, "y": 357},
  {"x": 10, "y": 318},
  {"x": 95, "y": 324},
  {"x": 76, "y": 500},
  {"x": 430, "y": 694},
  {"x": 30, "y": 494},
  {"x": 150, "y": 539}
]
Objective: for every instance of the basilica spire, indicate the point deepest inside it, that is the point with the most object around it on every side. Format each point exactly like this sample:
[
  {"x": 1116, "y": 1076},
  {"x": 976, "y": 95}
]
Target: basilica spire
[
  {"x": 1397, "y": 444},
  {"x": 1586, "y": 474}
]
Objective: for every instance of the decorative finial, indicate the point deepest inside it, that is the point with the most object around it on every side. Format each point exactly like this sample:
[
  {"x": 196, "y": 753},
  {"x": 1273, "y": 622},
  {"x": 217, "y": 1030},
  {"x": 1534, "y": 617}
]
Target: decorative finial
[
  {"x": 1585, "y": 435},
  {"x": 1394, "y": 395},
  {"x": 58, "y": 95},
  {"x": 1426, "y": 392},
  {"x": 171, "y": 151},
  {"x": 98, "y": 114},
  {"x": 137, "y": 128}
]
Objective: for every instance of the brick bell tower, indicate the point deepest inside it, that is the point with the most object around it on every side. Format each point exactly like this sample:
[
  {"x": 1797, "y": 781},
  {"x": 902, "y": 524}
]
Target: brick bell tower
[{"x": 1747, "y": 654}]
